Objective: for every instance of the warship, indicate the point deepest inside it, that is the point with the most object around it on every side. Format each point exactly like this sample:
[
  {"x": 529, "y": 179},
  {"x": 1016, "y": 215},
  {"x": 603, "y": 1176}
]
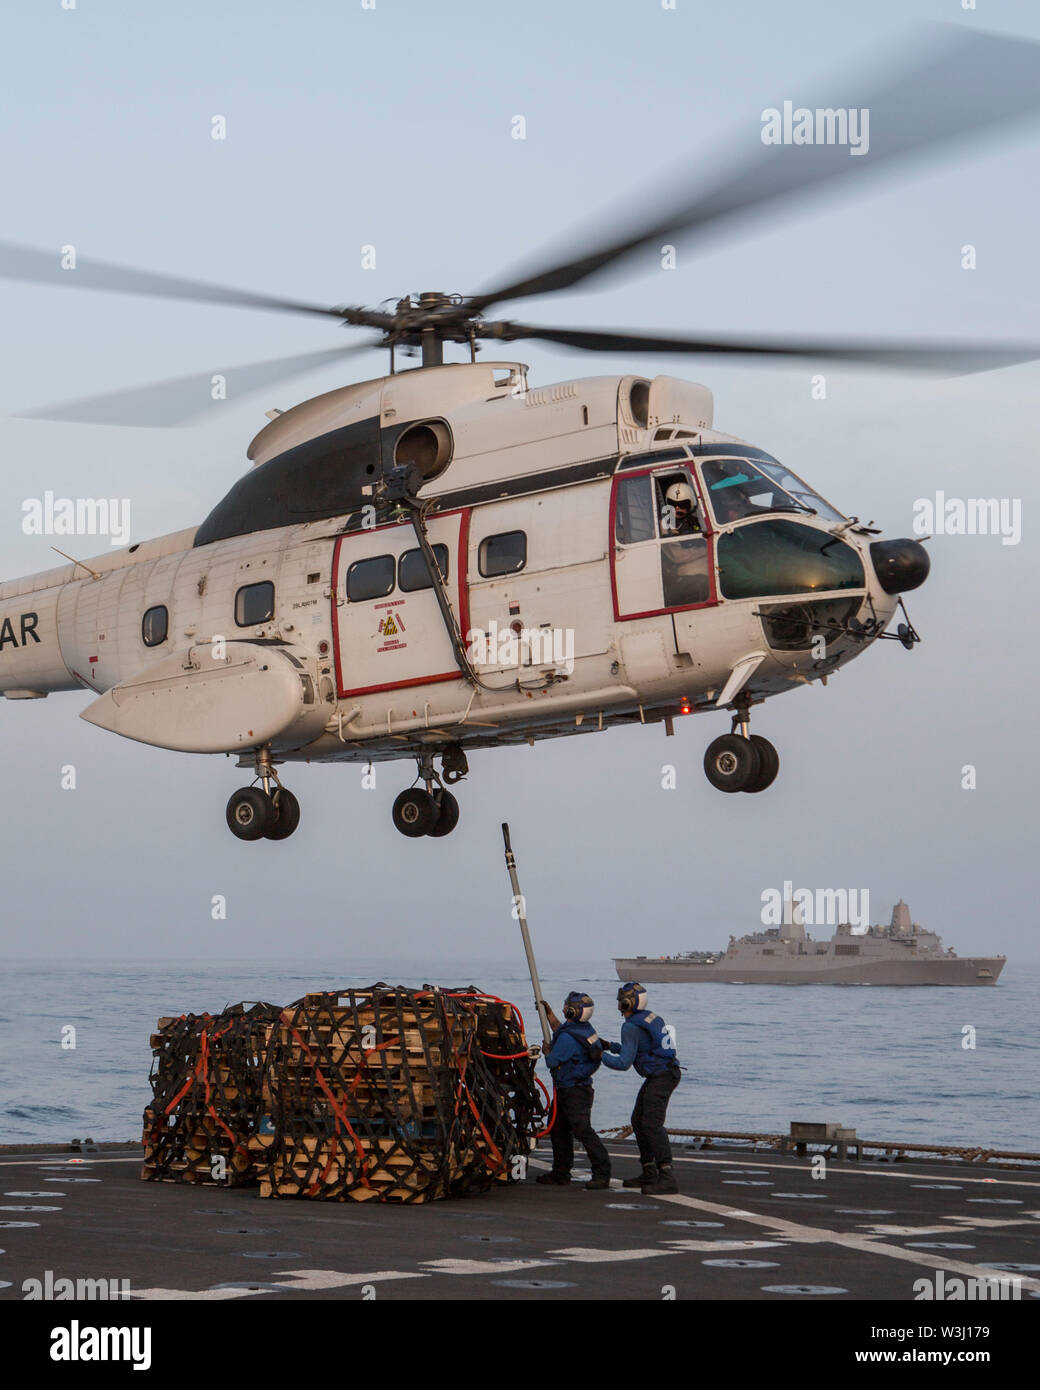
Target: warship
[{"x": 902, "y": 953}]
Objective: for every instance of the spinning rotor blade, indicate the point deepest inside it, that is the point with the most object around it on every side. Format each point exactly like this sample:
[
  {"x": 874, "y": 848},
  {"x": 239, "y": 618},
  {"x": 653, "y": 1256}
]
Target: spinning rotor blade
[
  {"x": 44, "y": 267},
  {"x": 176, "y": 400},
  {"x": 962, "y": 84},
  {"x": 953, "y": 358}
]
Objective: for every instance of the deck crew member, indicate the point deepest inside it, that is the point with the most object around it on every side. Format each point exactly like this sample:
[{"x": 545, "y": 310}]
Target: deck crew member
[
  {"x": 648, "y": 1045},
  {"x": 573, "y": 1058}
]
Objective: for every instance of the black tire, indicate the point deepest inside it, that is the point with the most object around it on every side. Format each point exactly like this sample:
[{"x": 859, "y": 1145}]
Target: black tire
[
  {"x": 287, "y": 816},
  {"x": 447, "y": 814},
  {"x": 415, "y": 813},
  {"x": 731, "y": 763},
  {"x": 250, "y": 813},
  {"x": 769, "y": 764}
]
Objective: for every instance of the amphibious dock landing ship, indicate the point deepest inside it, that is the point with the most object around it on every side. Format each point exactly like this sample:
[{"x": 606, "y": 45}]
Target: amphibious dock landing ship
[{"x": 902, "y": 953}]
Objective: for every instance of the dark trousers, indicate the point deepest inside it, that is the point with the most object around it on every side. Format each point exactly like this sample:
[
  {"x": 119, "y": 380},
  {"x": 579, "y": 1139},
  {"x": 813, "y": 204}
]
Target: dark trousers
[
  {"x": 648, "y": 1117},
  {"x": 574, "y": 1121}
]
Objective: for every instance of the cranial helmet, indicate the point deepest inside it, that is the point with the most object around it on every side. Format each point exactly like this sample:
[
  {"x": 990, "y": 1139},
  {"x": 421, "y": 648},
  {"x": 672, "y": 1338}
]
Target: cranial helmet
[
  {"x": 631, "y": 997},
  {"x": 679, "y": 492},
  {"x": 578, "y": 1007}
]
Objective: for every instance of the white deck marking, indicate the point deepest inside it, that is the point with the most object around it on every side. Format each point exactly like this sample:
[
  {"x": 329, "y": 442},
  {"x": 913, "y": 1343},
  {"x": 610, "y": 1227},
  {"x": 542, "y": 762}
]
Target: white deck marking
[
  {"x": 865, "y": 1245},
  {"x": 581, "y": 1255},
  {"x": 333, "y": 1279},
  {"x": 287, "y": 1279},
  {"x": 482, "y": 1266},
  {"x": 855, "y": 1169}
]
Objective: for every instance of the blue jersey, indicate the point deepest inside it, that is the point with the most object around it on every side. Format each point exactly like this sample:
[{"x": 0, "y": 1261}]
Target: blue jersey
[{"x": 646, "y": 1044}]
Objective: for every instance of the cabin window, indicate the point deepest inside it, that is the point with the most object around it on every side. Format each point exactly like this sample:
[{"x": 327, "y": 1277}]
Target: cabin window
[
  {"x": 412, "y": 570},
  {"x": 254, "y": 603},
  {"x": 155, "y": 626},
  {"x": 502, "y": 554},
  {"x": 634, "y": 517},
  {"x": 372, "y": 578}
]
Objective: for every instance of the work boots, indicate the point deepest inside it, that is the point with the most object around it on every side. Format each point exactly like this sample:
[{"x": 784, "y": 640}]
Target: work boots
[
  {"x": 664, "y": 1185},
  {"x": 553, "y": 1179},
  {"x": 648, "y": 1175}
]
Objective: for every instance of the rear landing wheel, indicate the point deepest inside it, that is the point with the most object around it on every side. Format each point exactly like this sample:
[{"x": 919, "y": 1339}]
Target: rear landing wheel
[
  {"x": 769, "y": 764},
  {"x": 732, "y": 763},
  {"x": 447, "y": 813},
  {"x": 250, "y": 813},
  {"x": 415, "y": 813}
]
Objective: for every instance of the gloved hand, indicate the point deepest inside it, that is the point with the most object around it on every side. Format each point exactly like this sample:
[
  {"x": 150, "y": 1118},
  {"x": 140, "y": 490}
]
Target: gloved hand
[{"x": 609, "y": 1046}]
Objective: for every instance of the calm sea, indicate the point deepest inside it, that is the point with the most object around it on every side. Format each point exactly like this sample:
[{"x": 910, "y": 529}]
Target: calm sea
[{"x": 889, "y": 1062}]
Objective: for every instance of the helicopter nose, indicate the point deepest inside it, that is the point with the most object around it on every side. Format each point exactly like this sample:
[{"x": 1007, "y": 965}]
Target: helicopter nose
[{"x": 900, "y": 565}]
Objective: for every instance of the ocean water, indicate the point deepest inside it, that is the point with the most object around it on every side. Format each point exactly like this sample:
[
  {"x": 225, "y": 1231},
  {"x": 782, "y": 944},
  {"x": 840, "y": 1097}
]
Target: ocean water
[{"x": 889, "y": 1062}]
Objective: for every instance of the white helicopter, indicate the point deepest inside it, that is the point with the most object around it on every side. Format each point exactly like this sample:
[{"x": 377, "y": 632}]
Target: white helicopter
[{"x": 447, "y": 558}]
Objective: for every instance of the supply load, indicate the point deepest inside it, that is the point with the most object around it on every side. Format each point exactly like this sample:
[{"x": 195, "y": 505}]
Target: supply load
[{"x": 375, "y": 1094}]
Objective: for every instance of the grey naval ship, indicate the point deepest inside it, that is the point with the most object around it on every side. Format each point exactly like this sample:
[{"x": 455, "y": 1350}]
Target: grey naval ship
[{"x": 902, "y": 953}]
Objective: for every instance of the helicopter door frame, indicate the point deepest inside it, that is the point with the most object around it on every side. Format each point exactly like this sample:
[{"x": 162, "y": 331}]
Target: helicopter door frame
[
  {"x": 653, "y": 470},
  {"x": 427, "y": 625}
]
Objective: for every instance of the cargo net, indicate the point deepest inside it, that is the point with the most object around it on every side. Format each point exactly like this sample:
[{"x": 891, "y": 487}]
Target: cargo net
[
  {"x": 207, "y": 1087},
  {"x": 383, "y": 1093}
]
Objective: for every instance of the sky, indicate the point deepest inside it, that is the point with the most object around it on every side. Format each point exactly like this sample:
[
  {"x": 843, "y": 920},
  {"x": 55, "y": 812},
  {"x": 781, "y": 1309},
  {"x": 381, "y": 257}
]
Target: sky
[{"x": 392, "y": 127}]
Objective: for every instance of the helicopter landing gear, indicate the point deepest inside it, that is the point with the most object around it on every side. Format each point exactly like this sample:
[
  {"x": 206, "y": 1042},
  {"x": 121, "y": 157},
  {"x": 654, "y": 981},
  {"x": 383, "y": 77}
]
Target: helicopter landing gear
[
  {"x": 430, "y": 810},
  {"x": 260, "y": 813},
  {"x": 741, "y": 762}
]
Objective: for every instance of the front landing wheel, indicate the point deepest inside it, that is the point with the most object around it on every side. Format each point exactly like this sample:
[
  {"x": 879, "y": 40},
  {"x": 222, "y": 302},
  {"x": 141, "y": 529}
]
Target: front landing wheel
[
  {"x": 250, "y": 813},
  {"x": 732, "y": 763}
]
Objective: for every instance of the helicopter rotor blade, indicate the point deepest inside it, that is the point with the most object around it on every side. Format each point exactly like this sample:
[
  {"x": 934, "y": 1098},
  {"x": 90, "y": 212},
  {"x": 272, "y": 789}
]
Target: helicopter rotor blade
[
  {"x": 958, "y": 85},
  {"x": 44, "y": 267},
  {"x": 177, "y": 400},
  {"x": 952, "y": 358}
]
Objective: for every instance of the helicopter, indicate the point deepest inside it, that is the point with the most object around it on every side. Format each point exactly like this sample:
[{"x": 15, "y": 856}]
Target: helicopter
[{"x": 449, "y": 558}]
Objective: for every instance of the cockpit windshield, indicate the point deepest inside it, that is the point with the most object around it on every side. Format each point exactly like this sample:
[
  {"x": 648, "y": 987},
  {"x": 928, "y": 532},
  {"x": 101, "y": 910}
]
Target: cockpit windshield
[{"x": 739, "y": 488}]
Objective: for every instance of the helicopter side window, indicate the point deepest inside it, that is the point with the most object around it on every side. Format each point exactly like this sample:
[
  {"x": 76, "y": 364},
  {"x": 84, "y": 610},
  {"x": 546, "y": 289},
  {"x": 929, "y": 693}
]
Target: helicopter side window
[
  {"x": 254, "y": 603},
  {"x": 412, "y": 571},
  {"x": 155, "y": 625},
  {"x": 372, "y": 578},
  {"x": 634, "y": 519},
  {"x": 502, "y": 554}
]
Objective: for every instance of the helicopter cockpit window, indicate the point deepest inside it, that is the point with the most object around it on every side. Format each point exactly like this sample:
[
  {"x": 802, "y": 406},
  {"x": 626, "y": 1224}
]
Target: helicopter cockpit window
[
  {"x": 155, "y": 625},
  {"x": 738, "y": 489},
  {"x": 502, "y": 554},
  {"x": 634, "y": 517},
  {"x": 254, "y": 603},
  {"x": 372, "y": 578},
  {"x": 784, "y": 557},
  {"x": 412, "y": 571},
  {"x": 799, "y": 491}
]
